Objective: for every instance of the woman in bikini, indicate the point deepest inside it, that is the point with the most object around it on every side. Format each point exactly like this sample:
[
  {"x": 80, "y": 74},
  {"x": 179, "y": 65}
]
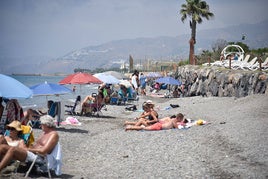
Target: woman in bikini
[
  {"x": 164, "y": 123},
  {"x": 13, "y": 138},
  {"x": 148, "y": 117}
]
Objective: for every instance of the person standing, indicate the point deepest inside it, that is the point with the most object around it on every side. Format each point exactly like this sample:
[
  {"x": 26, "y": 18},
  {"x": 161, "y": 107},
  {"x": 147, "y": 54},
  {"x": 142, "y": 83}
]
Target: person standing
[
  {"x": 135, "y": 81},
  {"x": 143, "y": 84}
]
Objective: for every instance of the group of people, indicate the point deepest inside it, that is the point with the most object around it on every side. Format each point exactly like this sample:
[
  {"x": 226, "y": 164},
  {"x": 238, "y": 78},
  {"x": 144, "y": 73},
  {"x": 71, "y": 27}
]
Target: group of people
[
  {"x": 12, "y": 147},
  {"x": 149, "y": 120},
  {"x": 12, "y": 144}
]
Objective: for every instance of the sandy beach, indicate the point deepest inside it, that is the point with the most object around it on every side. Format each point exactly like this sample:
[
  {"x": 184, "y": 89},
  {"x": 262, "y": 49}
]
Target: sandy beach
[{"x": 234, "y": 145}]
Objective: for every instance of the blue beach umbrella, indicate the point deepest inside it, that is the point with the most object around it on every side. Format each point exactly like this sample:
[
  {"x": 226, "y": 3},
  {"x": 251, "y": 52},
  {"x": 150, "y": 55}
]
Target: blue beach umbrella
[
  {"x": 168, "y": 80},
  {"x": 153, "y": 75},
  {"x": 106, "y": 78},
  {"x": 46, "y": 89},
  {"x": 12, "y": 88}
]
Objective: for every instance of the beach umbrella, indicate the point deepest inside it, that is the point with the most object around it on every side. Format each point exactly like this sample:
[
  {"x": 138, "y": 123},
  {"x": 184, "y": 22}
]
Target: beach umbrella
[
  {"x": 12, "y": 88},
  {"x": 153, "y": 75},
  {"x": 106, "y": 78},
  {"x": 168, "y": 80},
  {"x": 80, "y": 78},
  {"x": 116, "y": 74},
  {"x": 46, "y": 89},
  {"x": 126, "y": 83}
]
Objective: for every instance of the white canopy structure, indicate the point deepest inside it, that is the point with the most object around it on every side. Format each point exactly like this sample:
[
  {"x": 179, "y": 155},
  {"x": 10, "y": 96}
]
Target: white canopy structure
[{"x": 233, "y": 50}]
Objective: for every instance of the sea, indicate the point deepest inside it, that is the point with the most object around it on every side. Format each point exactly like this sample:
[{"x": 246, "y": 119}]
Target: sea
[{"x": 37, "y": 102}]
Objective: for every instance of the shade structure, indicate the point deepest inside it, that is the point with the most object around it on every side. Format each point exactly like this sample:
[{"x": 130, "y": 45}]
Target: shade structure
[
  {"x": 126, "y": 83},
  {"x": 116, "y": 74},
  {"x": 80, "y": 78},
  {"x": 46, "y": 89},
  {"x": 168, "y": 80},
  {"x": 153, "y": 75},
  {"x": 106, "y": 78},
  {"x": 12, "y": 88}
]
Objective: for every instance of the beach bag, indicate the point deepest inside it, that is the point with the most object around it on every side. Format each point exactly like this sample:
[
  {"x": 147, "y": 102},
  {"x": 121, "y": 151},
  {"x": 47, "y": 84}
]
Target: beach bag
[{"x": 131, "y": 108}]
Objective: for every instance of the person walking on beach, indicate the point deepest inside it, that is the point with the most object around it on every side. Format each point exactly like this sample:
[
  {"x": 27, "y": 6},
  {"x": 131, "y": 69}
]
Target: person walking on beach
[
  {"x": 164, "y": 123},
  {"x": 44, "y": 145}
]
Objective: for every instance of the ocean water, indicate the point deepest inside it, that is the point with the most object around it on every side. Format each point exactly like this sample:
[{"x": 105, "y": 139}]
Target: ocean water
[{"x": 41, "y": 101}]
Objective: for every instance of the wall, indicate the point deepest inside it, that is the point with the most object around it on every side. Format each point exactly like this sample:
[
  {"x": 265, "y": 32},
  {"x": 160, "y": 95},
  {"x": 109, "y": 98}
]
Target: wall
[{"x": 215, "y": 81}]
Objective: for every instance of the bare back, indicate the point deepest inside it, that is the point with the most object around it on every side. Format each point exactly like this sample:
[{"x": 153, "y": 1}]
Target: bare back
[{"x": 169, "y": 123}]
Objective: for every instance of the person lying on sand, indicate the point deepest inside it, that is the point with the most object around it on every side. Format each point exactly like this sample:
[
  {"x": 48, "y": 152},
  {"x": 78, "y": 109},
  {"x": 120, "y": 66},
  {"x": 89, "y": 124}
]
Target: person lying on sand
[
  {"x": 164, "y": 123},
  {"x": 148, "y": 117}
]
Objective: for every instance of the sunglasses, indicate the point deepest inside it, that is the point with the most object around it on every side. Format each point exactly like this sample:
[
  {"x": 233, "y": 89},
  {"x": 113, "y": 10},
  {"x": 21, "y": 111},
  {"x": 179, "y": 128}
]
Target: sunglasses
[{"x": 11, "y": 129}]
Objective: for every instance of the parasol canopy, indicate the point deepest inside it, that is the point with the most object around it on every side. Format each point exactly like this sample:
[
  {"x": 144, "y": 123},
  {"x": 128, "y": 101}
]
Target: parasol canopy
[
  {"x": 106, "y": 78},
  {"x": 79, "y": 78},
  {"x": 12, "y": 88},
  {"x": 46, "y": 89},
  {"x": 168, "y": 80}
]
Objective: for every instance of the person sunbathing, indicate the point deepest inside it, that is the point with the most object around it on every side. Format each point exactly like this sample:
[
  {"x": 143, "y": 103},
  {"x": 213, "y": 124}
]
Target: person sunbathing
[
  {"x": 148, "y": 117},
  {"x": 44, "y": 145},
  {"x": 91, "y": 102},
  {"x": 13, "y": 138},
  {"x": 163, "y": 124}
]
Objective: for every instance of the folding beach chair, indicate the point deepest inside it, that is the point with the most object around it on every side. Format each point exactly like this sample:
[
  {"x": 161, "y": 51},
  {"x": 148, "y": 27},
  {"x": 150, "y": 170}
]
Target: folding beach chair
[
  {"x": 52, "y": 161},
  {"x": 71, "y": 108},
  {"x": 55, "y": 111},
  {"x": 95, "y": 108}
]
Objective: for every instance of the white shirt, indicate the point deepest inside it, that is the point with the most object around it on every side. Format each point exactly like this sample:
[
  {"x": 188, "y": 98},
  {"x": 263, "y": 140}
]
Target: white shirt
[{"x": 134, "y": 81}]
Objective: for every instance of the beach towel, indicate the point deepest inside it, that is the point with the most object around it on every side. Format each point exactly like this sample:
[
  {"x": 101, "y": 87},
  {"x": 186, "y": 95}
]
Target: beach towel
[
  {"x": 191, "y": 123},
  {"x": 71, "y": 121},
  {"x": 14, "y": 111}
]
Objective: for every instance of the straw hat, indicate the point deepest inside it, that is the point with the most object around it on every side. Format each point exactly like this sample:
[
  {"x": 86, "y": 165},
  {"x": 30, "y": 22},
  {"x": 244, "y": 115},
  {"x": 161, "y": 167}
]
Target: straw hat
[{"x": 16, "y": 125}]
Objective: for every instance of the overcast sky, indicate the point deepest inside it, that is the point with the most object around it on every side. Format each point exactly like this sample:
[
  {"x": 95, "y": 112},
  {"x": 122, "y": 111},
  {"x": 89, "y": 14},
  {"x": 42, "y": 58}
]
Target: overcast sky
[{"x": 55, "y": 27}]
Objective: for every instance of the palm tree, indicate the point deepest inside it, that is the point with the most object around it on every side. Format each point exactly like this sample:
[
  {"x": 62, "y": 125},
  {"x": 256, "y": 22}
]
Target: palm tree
[{"x": 195, "y": 10}]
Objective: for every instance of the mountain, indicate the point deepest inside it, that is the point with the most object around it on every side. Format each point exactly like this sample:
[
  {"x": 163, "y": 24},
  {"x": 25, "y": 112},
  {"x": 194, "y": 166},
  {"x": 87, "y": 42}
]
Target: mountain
[{"x": 113, "y": 53}]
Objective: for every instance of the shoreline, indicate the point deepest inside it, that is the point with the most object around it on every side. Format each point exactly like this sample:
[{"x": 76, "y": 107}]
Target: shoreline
[{"x": 43, "y": 74}]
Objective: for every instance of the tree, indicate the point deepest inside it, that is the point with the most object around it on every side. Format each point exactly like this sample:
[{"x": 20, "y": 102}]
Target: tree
[
  {"x": 242, "y": 45},
  {"x": 195, "y": 10}
]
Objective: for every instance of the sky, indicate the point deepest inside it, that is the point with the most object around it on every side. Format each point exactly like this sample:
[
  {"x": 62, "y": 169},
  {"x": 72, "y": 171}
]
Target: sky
[{"x": 54, "y": 28}]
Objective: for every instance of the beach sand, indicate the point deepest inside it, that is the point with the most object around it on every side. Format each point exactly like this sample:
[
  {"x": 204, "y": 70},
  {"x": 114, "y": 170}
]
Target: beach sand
[{"x": 234, "y": 145}]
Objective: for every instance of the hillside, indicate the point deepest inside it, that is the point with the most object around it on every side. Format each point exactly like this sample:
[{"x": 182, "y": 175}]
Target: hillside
[{"x": 159, "y": 48}]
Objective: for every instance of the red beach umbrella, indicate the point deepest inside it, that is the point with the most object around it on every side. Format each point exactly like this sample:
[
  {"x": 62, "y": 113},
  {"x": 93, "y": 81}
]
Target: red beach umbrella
[{"x": 80, "y": 78}]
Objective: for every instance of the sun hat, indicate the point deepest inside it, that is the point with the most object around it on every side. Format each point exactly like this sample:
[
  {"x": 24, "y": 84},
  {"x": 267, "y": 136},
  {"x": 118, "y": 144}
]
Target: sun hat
[
  {"x": 47, "y": 120},
  {"x": 16, "y": 125},
  {"x": 149, "y": 102}
]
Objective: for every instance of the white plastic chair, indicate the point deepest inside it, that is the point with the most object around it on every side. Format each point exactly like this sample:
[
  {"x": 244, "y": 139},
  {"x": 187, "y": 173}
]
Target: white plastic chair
[
  {"x": 264, "y": 65},
  {"x": 53, "y": 161}
]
